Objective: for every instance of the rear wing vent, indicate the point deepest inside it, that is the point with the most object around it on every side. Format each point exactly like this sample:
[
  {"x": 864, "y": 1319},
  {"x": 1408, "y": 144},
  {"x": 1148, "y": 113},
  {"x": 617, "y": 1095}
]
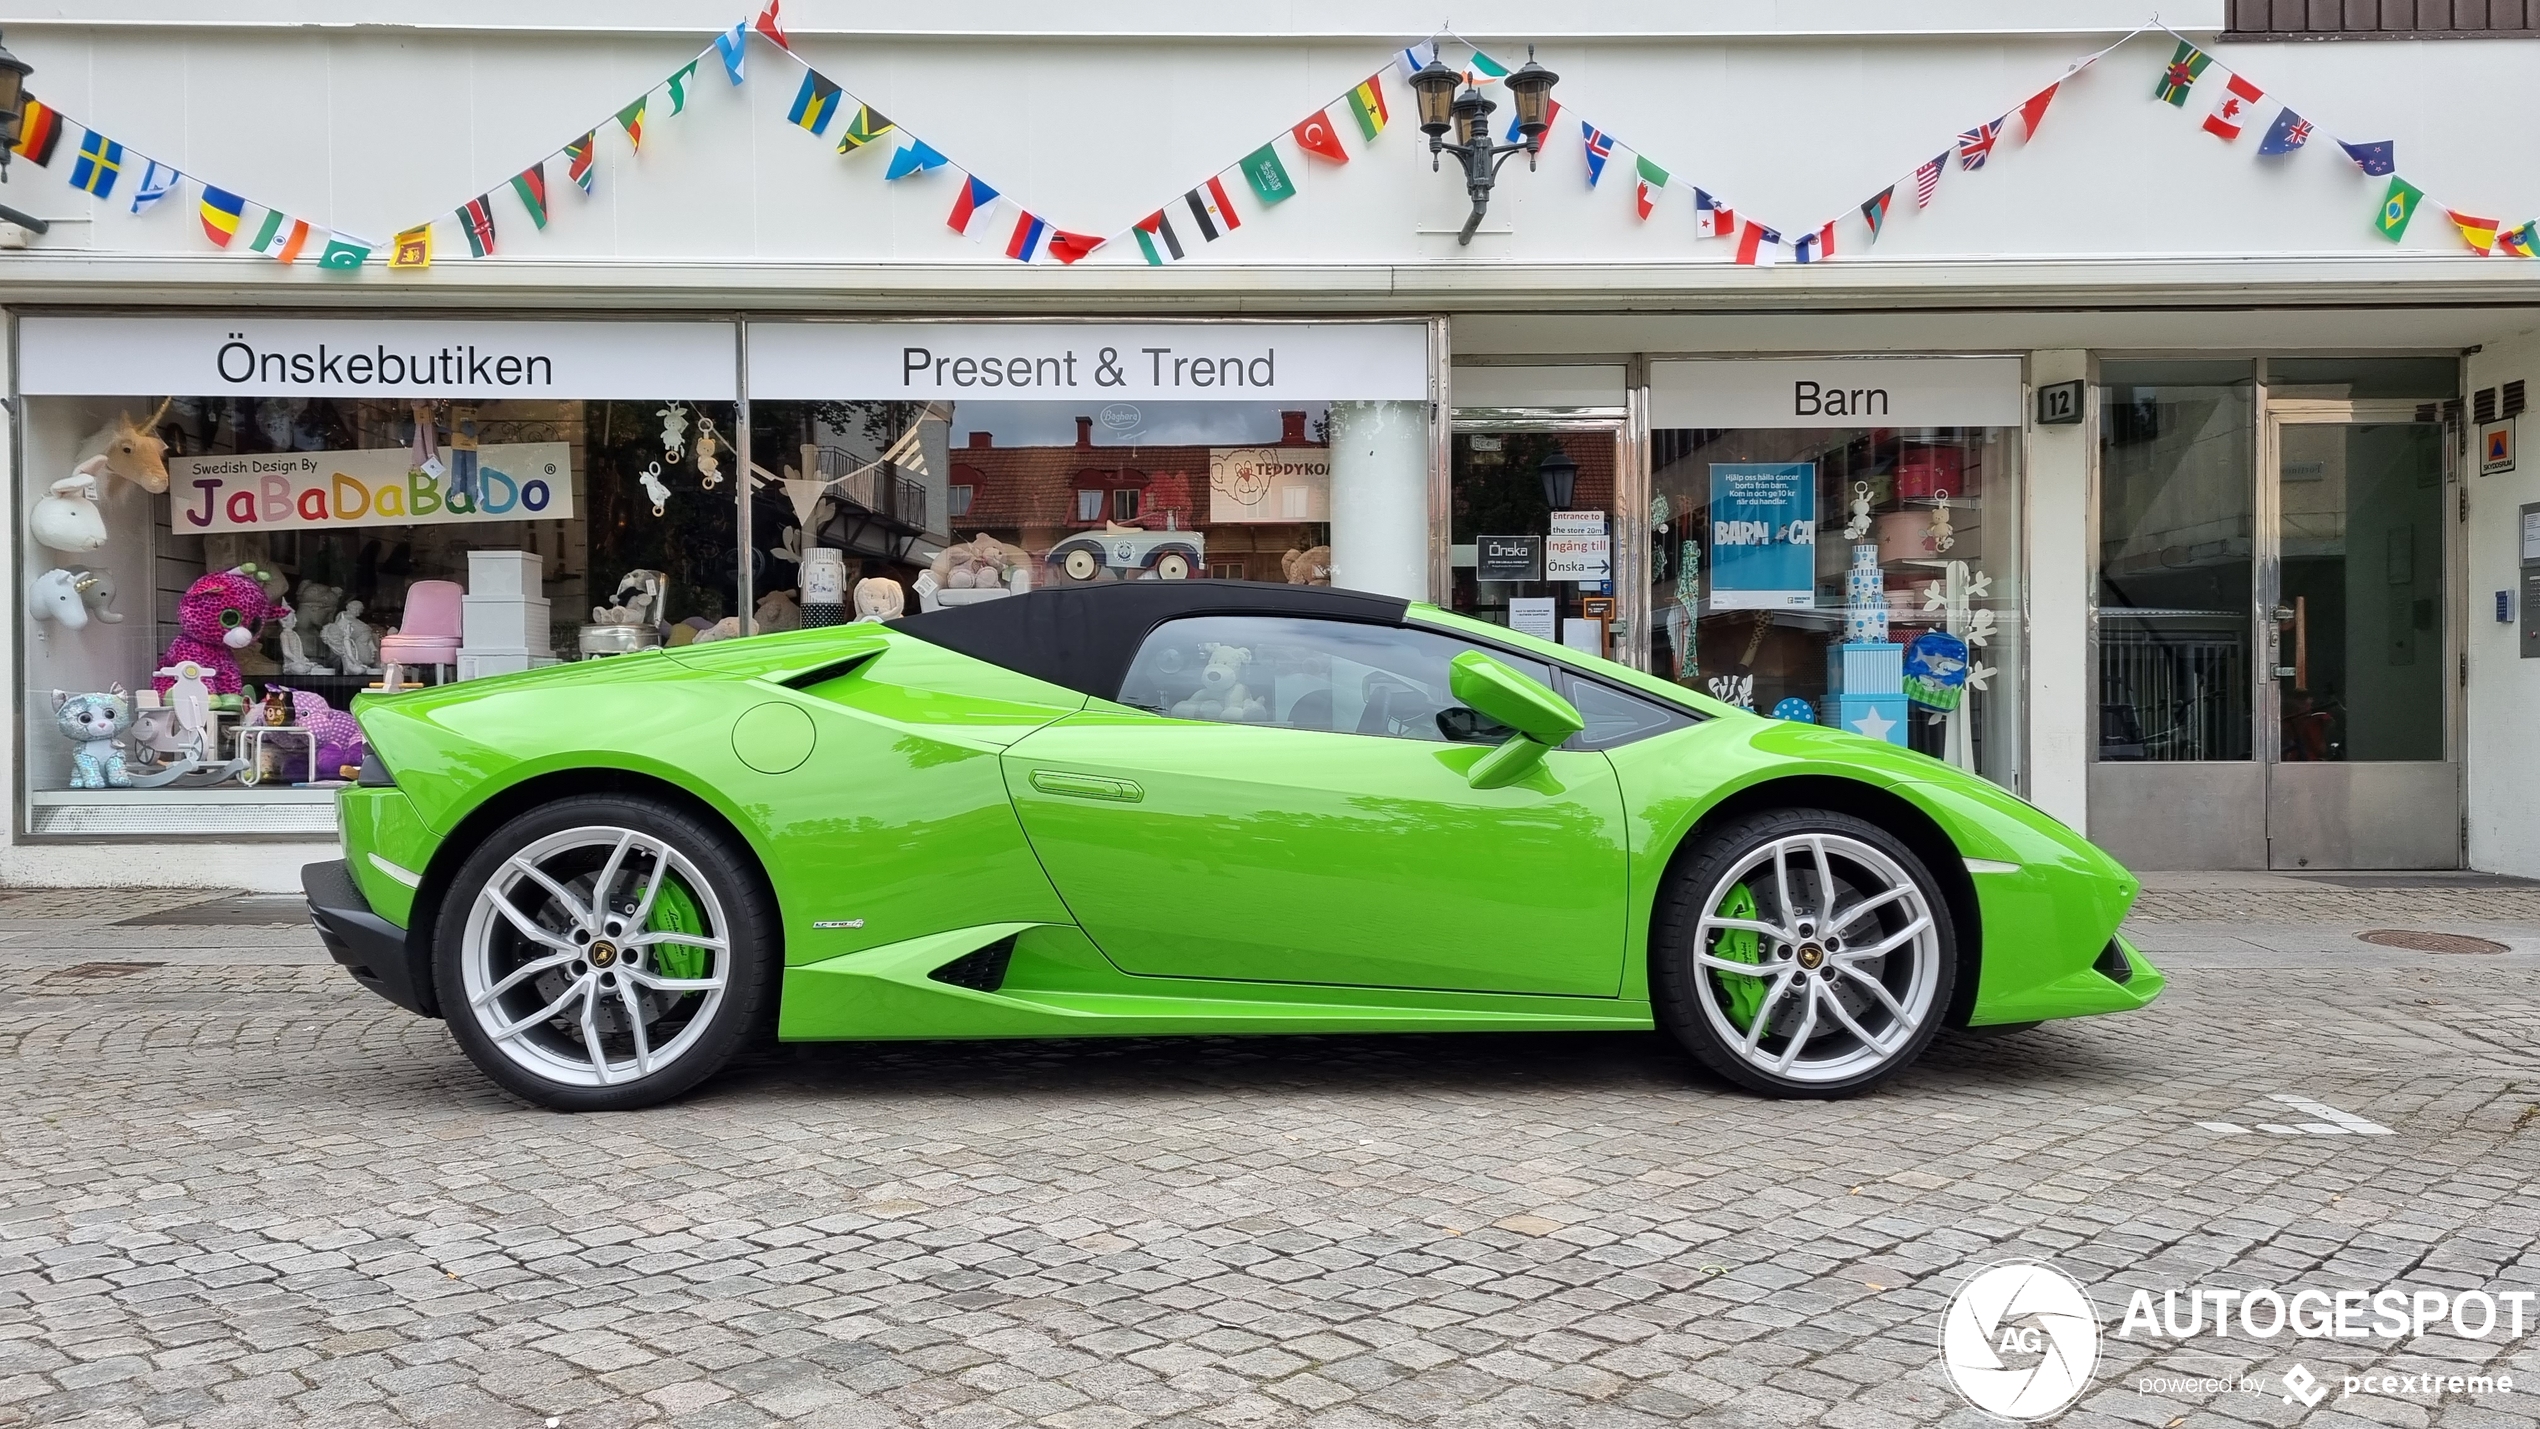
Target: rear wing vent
[{"x": 822, "y": 673}]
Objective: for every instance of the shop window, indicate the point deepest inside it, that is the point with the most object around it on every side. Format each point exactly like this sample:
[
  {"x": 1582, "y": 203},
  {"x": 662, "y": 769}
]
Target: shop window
[
  {"x": 1861, "y": 566},
  {"x": 957, "y": 501}
]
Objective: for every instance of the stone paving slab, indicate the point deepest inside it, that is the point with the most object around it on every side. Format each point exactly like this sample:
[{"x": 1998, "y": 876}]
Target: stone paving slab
[{"x": 241, "y": 1191}]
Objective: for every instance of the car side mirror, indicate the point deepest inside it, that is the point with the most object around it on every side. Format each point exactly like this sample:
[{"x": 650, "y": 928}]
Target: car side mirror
[{"x": 1542, "y": 719}]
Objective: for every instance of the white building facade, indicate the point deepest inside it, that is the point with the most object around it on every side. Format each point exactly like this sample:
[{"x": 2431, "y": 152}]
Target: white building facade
[{"x": 2184, "y": 490}]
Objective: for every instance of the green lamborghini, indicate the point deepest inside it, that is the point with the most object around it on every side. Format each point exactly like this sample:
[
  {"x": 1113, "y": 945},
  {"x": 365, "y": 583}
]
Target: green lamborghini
[{"x": 1156, "y": 807}]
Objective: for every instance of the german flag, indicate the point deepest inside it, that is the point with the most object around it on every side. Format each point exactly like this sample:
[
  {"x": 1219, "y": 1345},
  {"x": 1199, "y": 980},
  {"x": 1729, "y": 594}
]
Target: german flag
[{"x": 39, "y": 131}]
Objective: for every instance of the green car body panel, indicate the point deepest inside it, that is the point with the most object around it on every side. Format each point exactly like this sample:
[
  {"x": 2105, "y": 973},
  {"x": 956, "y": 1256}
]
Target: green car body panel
[{"x": 909, "y": 804}]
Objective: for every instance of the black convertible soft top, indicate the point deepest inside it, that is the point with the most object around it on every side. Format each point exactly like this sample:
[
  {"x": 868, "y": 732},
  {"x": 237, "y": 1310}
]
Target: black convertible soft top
[{"x": 1083, "y": 637}]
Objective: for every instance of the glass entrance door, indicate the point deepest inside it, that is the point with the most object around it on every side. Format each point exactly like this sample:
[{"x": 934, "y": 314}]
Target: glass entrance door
[
  {"x": 2353, "y": 697},
  {"x": 1535, "y": 540}
]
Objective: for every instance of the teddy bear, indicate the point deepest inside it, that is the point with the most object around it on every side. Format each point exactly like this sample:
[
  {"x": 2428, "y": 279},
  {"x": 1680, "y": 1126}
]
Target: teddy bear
[
  {"x": 1222, "y": 694},
  {"x": 219, "y": 616},
  {"x": 879, "y": 598},
  {"x": 95, "y": 724},
  {"x": 1307, "y": 567}
]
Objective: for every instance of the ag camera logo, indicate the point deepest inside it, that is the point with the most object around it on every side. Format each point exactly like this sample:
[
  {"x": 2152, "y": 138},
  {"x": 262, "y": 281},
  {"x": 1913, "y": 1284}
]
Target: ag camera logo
[{"x": 2020, "y": 1340}]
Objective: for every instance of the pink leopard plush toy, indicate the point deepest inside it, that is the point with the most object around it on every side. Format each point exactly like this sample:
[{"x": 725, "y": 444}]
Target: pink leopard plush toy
[{"x": 220, "y": 615}]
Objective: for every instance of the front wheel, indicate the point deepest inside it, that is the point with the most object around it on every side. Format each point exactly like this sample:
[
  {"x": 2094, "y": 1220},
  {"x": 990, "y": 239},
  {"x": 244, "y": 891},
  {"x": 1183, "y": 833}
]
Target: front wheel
[
  {"x": 601, "y": 953},
  {"x": 1803, "y": 953}
]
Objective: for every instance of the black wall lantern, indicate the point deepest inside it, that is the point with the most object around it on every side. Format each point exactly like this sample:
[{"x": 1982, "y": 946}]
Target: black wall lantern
[
  {"x": 1560, "y": 479},
  {"x": 1467, "y": 116},
  {"x": 13, "y": 73}
]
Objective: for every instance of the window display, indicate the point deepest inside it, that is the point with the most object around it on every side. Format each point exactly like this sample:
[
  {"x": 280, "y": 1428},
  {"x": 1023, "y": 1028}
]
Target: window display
[
  {"x": 1532, "y": 526},
  {"x": 1838, "y": 572}
]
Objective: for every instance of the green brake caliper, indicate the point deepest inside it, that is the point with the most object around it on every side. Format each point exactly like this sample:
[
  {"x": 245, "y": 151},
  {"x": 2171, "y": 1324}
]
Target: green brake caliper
[
  {"x": 1744, "y": 995},
  {"x": 675, "y": 911}
]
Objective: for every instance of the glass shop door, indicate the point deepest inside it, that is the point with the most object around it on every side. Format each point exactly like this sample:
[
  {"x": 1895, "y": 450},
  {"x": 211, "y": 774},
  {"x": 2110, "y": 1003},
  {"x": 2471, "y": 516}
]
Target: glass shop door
[
  {"x": 1535, "y": 541},
  {"x": 2355, "y": 682}
]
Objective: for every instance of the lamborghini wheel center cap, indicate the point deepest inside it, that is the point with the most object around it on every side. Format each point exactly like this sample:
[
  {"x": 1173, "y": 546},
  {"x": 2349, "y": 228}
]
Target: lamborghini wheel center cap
[
  {"x": 1810, "y": 955},
  {"x": 603, "y": 954}
]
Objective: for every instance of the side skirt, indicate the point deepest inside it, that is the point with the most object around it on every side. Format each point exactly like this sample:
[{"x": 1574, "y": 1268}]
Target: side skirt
[{"x": 1056, "y": 983}]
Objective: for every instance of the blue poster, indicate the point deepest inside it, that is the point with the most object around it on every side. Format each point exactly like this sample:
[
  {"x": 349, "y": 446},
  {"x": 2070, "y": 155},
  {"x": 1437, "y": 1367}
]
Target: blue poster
[{"x": 1763, "y": 535}]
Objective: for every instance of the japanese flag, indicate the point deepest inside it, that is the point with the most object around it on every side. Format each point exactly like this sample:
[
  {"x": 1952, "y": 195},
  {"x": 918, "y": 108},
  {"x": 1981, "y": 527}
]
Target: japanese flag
[{"x": 2239, "y": 97}]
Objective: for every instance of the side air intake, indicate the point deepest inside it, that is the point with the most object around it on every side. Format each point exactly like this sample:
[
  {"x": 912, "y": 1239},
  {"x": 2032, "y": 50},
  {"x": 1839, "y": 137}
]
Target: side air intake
[{"x": 981, "y": 971}]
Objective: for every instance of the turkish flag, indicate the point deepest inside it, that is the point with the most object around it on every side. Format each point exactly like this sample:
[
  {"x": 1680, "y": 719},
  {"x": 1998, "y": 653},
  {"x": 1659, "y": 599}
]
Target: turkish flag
[
  {"x": 1067, "y": 247},
  {"x": 1316, "y": 136}
]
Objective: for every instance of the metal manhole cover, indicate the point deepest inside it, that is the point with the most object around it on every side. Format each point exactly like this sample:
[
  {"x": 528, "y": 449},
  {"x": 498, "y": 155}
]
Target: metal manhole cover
[
  {"x": 2422, "y": 942},
  {"x": 100, "y": 970}
]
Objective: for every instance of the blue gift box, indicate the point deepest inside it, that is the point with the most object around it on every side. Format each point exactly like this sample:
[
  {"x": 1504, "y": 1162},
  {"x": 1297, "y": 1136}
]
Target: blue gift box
[
  {"x": 1865, "y": 669},
  {"x": 1878, "y": 716}
]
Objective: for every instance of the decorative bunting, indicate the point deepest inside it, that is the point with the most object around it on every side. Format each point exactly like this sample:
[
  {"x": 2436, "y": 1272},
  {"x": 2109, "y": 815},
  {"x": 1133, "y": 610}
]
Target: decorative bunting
[
  {"x": 578, "y": 158},
  {"x": 1551, "y": 116},
  {"x": 2376, "y": 158},
  {"x": 814, "y": 102},
  {"x": 917, "y": 158},
  {"x": 476, "y": 220},
  {"x": 342, "y": 252},
  {"x": 1315, "y": 136},
  {"x": 679, "y": 87},
  {"x": 220, "y": 211},
  {"x": 1268, "y": 177},
  {"x": 1927, "y": 178},
  {"x": 1600, "y": 147},
  {"x": 2289, "y": 132},
  {"x": 1485, "y": 70},
  {"x": 1712, "y": 218},
  {"x": 2398, "y": 206},
  {"x": 1068, "y": 247},
  {"x": 282, "y": 238},
  {"x": 1875, "y": 212},
  {"x": 2232, "y": 110},
  {"x": 1652, "y": 181},
  {"x": 772, "y": 26},
  {"x": 1757, "y": 246},
  {"x": 865, "y": 127},
  {"x": 157, "y": 181},
  {"x": 39, "y": 131},
  {"x": 412, "y": 248},
  {"x": 100, "y": 161},
  {"x": 1157, "y": 241},
  {"x": 2033, "y": 113},
  {"x": 2478, "y": 233},
  {"x": 531, "y": 184},
  {"x": 1028, "y": 232},
  {"x": 1814, "y": 247},
  {"x": 2181, "y": 75},
  {"x": 631, "y": 119},
  {"x": 1976, "y": 145},
  {"x": 1212, "y": 211},
  {"x": 1416, "y": 58},
  {"x": 1367, "y": 102},
  {"x": 731, "y": 46},
  {"x": 975, "y": 203},
  {"x": 2520, "y": 242}
]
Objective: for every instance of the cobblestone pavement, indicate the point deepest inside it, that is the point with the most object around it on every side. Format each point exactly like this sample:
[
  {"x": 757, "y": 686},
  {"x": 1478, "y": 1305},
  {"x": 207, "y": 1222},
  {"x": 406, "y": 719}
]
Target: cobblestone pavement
[{"x": 240, "y": 1191}]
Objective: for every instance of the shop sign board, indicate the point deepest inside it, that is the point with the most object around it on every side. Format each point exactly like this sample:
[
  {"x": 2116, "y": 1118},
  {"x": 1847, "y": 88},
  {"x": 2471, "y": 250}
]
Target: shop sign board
[
  {"x": 1508, "y": 558},
  {"x": 1837, "y": 392},
  {"x": 1578, "y": 548},
  {"x": 1763, "y": 535},
  {"x": 1269, "y": 484},
  {"x": 315, "y": 491},
  {"x": 1076, "y": 362},
  {"x": 2496, "y": 448},
  {"x": 376, "y": 357}
]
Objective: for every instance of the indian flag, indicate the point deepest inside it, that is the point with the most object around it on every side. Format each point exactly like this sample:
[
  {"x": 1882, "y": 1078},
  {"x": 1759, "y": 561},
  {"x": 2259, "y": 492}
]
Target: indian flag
[
  {"x": 282, "y": 237},
  {"x": 1368, "y": 103}
]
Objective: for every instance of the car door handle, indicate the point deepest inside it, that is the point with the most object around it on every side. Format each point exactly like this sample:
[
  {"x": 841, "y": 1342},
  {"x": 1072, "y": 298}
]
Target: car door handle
[{"x": 1087, "y": 786}]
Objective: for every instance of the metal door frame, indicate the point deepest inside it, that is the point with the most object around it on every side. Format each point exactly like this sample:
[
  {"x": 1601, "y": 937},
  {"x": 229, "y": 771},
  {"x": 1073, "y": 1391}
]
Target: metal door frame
[{"x": 2267, "y": 557}]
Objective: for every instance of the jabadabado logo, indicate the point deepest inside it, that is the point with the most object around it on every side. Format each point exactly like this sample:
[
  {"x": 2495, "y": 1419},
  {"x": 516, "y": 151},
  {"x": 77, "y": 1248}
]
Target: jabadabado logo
[{"x": 2020, "y": 1340}]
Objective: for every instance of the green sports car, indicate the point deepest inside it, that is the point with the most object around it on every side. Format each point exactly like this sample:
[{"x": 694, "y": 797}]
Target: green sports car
[{"x": 1156, "y": 807}]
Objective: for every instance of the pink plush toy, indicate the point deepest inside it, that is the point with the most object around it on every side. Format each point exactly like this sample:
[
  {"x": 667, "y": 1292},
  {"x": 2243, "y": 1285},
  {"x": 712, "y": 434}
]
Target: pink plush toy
[{"x": 219, "y": 616}]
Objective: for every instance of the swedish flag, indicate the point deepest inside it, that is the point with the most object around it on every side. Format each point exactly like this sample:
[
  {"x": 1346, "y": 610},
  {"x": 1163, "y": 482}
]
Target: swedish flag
[
  {"x": 100, "y": 160},
  {"x": 814, "y": 102}
]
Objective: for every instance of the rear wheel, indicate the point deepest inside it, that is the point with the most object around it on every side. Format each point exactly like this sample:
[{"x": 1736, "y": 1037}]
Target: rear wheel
[
  {"x": 1803, "y": 953},
  {"x": 602, "y": 952}
]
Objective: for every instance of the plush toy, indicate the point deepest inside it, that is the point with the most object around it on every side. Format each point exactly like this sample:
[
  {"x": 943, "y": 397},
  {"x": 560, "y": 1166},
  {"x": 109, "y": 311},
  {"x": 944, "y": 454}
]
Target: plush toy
[
  {"x": 1222, "y": 694},
  {"x": 728, "y": 628},
  {"x": 68, "y": 519},
  {"x": 218, "y": 617},
  {"x": 354, "y": 645},
  {"x": 638, "y": 600},
  {"x": 129, "y": 449},
  {"x": 96, "y": 591},
  {"x": 340, "y": 744},
  {"x": 95, "y": 724},
  {"x": 776, "y": 611},
  {"x": 317, "y": 605},
  {"x": 55, "y": 595},
  {"x": 1307, "y": 567},
  {"x": 980, "y": 563},
  {"x": 879, "y": 598}
]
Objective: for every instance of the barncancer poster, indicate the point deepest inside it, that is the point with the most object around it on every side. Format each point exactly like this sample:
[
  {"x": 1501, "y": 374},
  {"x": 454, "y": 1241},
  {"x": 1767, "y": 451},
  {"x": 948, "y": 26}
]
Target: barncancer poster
[
  {"x": 286, "y": 491},
  {"x": 1763, "y": 535}
]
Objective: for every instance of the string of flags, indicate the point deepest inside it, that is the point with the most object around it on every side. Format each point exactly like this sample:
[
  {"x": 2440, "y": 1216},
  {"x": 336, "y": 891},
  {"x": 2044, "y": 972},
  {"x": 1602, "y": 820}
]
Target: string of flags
[{"x": 1209, "y": 210}]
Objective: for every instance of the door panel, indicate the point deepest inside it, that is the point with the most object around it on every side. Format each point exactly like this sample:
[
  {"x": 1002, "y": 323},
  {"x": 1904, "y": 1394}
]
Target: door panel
[
  {"x": 1243, "y": 851},
  {"x": 2377, "y": 815}
]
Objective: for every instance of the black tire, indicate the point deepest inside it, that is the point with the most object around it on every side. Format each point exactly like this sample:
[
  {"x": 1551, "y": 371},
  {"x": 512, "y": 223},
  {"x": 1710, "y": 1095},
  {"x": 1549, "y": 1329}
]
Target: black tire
[
  {"x": 1698, "y": 1004},
  {"x": 729, "y": 891}
]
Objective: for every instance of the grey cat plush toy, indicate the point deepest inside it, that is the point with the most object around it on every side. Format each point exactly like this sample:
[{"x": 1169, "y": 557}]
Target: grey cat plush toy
[{"x": 95, "y": 724}]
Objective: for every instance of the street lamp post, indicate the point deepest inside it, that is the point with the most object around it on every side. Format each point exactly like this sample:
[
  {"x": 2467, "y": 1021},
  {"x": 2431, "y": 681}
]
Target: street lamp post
[
  {"x": 13, "y": 73},
  {"x": 1467, "y": 116}
]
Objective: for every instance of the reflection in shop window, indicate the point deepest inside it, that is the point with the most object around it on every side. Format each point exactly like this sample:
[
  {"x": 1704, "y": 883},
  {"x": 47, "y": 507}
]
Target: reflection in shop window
[
  {"x": 1088, "y": 506},
  {"x": 957, "y": 500}
]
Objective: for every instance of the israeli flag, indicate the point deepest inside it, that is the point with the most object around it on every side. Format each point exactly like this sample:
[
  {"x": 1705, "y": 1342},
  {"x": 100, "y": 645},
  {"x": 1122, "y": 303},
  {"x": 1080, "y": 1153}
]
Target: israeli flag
[{"x": 157, "y": 182}]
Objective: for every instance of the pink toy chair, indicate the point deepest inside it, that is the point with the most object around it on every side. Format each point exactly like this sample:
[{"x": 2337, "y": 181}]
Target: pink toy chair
[{"x": 430, "y": 633}]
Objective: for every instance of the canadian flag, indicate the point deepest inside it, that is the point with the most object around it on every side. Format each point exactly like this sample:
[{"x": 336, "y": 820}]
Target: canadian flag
[{"x": 2239, "y": 97}]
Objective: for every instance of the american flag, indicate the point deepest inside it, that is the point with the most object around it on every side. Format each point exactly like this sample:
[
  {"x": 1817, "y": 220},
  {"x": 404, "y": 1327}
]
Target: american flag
[
  {"x": 1927, "y": 178},
  {"x": 1976, "y": 145}
]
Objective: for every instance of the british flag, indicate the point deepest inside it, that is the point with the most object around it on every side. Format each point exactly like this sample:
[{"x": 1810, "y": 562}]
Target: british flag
[{"x": 1976, "y": 145}]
